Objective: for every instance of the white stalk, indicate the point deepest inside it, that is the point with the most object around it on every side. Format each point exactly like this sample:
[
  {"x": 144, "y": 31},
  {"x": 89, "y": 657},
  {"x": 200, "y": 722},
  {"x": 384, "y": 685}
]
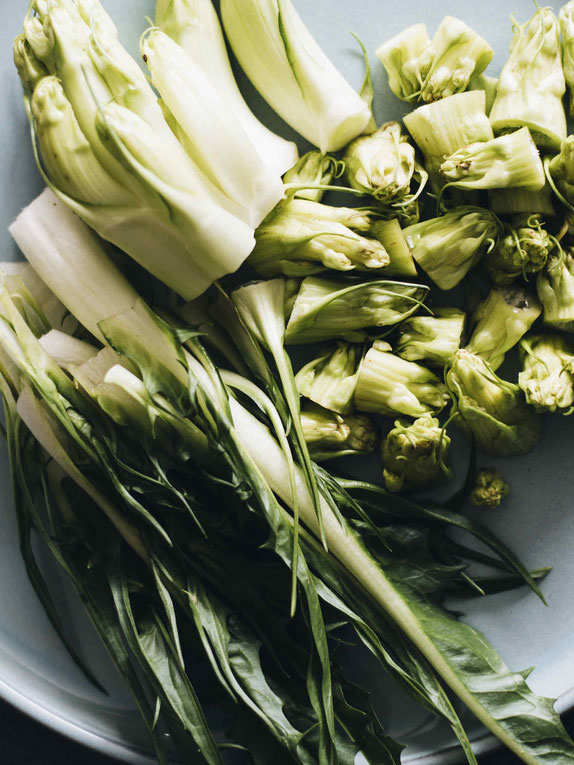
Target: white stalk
[
  {"x": 217, "y": 144},
  {"x": 194, "y": 25},
  {"x": 70, "y": 259},
  {"x": 292, "y": 73}
]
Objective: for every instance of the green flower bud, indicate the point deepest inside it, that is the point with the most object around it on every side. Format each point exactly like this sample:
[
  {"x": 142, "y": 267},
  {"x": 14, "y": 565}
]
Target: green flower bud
[
  {"x": 414, "y": 454},
  {"x": 490, "y": 489},
  {"x": 381, "y": 164},
  {"x": 547, "y": 376},
  {"x": 490, "y": 408},
  {"x": 522, "y": 250},
  {"x": 312, "y": 169}
]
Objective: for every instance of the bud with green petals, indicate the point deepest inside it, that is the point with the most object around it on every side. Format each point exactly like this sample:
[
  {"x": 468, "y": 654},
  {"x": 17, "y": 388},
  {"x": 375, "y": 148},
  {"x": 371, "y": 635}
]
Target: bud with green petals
[
  {"x": 414, "y": 454},
  {"x": 312, "y": 169},
  {"x": 490, "y": 489},
  {"x": 547, "y": 376},
  {"x": 381, "y": 164},
  {"x": 491, "y": 409},
  {"x": 523, "y": 250}
]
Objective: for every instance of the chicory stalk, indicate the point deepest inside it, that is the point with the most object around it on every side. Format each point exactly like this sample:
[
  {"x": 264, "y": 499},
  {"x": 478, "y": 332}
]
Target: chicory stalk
[
  {"x": 447, "y": 247},
  {"x": 400, "y": 56},
  {"x": 390, "y": 385},
  {"x": 193, "y": 24},
  {"x": 300, "y": 237},
  {"x": 531, "y": 84},
  {"x": 452, "y": 57},
  {"x": 330, "y": 379},
  {"x": 53, "y": 240},
  {"x": 391, "y": 236},
  {"x": 327, "y": 309},
  {"x": 289, "y": 69},
  {"x": 441, "y": 128},
  {"x": 555, "y": 287},
  {"x": 501, "y": 320},
  {"x": 210, "y": 133},
  {"x": 431, "y": 339},
  {"x": 120, "y": 167},
  {"x": 509, "y": 161}
]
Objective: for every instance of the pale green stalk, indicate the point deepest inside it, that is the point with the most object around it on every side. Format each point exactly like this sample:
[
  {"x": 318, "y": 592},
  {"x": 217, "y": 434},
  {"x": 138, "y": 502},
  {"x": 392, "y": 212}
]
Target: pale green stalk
[
  {"x": 289, "y": 69},
  {"x": 390, "y": 385},
  {"x": 432, "y": 339},
  {"x": 330, "y": 379},
  {"x": 327, "y": 309},
  {"x": 217, "y": 144},
  {"x": 194, "y": 25},
  {"x": 400, "y": 56},
  {"x": 501, "y": 320},
  {"x": 509, "y": 161},
  {"x": 531, "y": 84},
  {"x": 391, "y": 236}
]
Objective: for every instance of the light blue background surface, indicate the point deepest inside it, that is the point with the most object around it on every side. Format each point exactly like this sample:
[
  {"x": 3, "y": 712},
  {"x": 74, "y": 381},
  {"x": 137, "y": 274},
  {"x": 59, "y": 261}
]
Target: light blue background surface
[{"x": 35, "y": 672}]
